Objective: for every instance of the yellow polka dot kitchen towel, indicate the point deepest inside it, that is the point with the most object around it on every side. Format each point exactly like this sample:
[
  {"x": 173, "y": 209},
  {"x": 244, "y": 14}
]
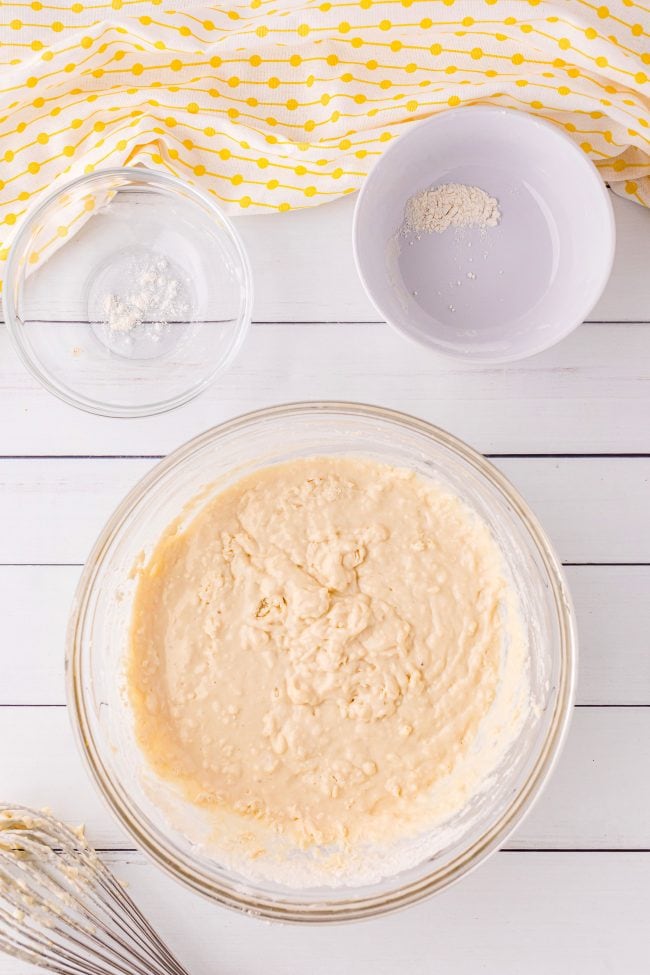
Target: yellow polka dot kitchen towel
[{"x": 278, "y": 104}]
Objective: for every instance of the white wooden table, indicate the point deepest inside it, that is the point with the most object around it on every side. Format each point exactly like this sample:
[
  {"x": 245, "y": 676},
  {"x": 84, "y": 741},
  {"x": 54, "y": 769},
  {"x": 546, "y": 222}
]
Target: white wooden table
[{"x": 570, "y": 427}]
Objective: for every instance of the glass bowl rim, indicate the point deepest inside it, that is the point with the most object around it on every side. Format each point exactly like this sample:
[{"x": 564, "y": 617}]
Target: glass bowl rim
[
  {"x": 181, "y": 866},
  {"x": 166, "y": 183}
]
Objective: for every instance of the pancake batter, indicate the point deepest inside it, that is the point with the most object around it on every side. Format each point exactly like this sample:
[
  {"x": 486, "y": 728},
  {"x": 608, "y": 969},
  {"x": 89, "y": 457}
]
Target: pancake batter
[{"x": 316, "y": 652}]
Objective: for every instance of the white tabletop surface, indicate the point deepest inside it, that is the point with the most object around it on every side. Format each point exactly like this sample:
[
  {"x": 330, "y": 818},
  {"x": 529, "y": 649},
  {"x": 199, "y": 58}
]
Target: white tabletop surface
[{"x": 571, "y": 428}]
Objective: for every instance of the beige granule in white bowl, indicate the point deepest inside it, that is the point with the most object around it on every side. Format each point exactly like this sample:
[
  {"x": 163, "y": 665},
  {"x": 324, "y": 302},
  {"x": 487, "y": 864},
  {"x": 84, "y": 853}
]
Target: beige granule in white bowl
[{"x": 436, "y": 209}]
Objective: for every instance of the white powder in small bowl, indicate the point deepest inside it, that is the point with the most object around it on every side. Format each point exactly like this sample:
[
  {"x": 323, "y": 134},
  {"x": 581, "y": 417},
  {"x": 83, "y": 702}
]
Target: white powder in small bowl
[
  {"x": 156, "y": 297},
  {"x": 450, "y": 205}
]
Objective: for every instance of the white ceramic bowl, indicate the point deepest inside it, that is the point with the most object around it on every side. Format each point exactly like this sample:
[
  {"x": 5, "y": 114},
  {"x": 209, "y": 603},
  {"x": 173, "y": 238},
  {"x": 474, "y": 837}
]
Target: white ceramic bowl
[{"x": 501, "y": 293}]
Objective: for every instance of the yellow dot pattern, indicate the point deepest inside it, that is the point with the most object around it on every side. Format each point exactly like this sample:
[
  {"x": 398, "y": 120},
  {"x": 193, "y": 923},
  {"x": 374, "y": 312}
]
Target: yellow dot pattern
[{"x": 273, "y": 107}]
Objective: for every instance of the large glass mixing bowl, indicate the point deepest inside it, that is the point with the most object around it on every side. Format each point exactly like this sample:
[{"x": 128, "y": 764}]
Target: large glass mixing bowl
[{"x": 177, "y": 488}]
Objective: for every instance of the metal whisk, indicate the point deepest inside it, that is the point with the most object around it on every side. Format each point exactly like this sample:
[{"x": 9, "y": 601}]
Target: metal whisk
[{"x": 62, "y": 909}]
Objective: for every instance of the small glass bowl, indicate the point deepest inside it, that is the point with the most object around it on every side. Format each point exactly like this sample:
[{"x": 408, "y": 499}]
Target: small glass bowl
[
  {"x": 176, "y": 489},
  {"x": 127, "y": 292}
]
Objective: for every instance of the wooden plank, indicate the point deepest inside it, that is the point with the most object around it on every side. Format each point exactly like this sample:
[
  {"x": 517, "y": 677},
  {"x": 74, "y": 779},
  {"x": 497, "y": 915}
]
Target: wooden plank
[
  {"x": 598, "y": 796},
  {"x": 53, "y": 510},
  {"x": 595, "y": 925},
  {"x": 518, "y": 913},
  {"x": 34, "y": 641},
  {"x": 594, "y": 509},
  {"x": 590, "y": 394},
  {"x": 612, "y": 608},
  {"x": 589, "y": 801},
  {"x": 304, "y": 269}
]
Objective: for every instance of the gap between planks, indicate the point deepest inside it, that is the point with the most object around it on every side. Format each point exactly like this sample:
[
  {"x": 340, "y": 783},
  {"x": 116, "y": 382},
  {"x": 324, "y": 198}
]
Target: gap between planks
[
  {"x": 37, "y": 704},
  {"x": 566, "y": 565},
  {"x": 505, "y": 849},
  {"x": 602, "y": 455}
]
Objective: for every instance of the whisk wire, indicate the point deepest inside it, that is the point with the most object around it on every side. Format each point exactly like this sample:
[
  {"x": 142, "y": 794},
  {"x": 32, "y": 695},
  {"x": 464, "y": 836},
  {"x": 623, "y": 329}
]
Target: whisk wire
[
  {"x": 45, "y": 952},
  {"x": 141, "y": 930},
  {"x": 61, "y": 908},
  {"x": 52, "y": 897}
]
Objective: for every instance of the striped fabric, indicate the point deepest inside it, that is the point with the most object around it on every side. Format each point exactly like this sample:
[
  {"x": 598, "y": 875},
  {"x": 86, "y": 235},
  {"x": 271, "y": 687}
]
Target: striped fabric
[{"x": 270, "y": 105}]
